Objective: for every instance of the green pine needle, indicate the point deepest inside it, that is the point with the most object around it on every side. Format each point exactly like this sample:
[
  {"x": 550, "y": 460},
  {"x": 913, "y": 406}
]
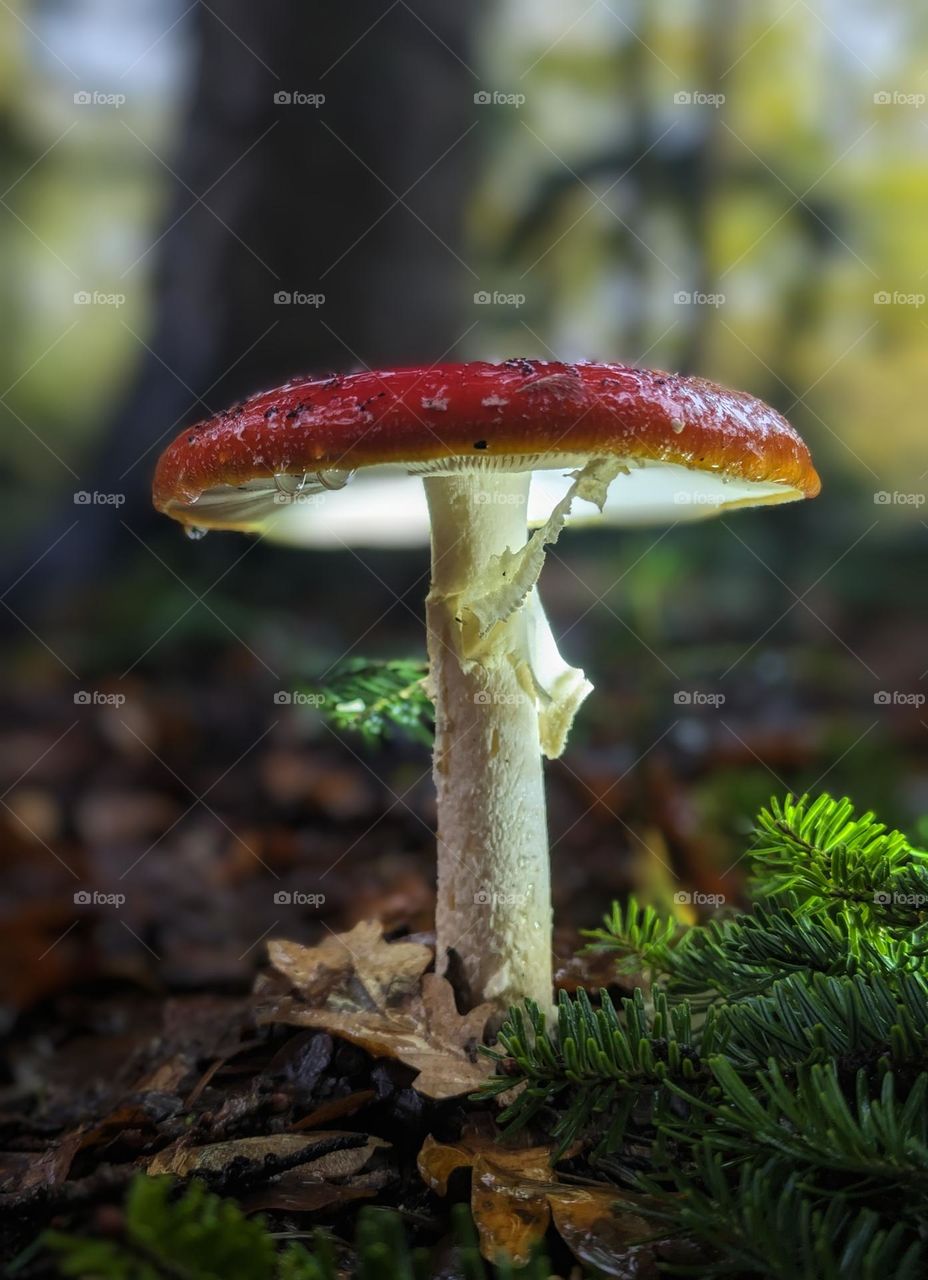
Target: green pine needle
[
  {"x": 377, "y": 698},
  {"x": 770, "y": 1083}
]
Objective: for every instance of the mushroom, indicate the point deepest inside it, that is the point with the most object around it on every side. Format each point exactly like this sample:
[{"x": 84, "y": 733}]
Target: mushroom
[{"x": 476, "y": 455}]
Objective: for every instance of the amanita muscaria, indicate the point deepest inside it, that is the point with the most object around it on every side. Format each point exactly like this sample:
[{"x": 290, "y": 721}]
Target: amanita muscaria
[{"x": 477, "y": 455}]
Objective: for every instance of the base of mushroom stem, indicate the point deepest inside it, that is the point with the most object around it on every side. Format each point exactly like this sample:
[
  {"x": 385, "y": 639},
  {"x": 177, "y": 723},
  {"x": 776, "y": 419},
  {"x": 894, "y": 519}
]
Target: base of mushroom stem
[
  {"x": 493, "y": 915},
  {"x": 494, "y": 905}
]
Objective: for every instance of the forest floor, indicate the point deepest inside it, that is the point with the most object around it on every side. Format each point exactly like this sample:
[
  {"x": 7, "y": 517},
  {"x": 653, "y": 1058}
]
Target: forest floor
[{"x": 156, "y": 843}]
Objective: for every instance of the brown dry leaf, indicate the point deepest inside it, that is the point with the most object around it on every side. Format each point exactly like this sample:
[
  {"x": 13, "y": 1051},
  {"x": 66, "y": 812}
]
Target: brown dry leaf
[
  {"x": 335, "y": 1109},
  {"x": 604, "y": 1232},
  {"x": 26, "y": 1170},
  {"x": 184, "y": 1161},
  {"x": 166, "y": 1077},
  {"x": 357, "y": 968},
  {"x": 515, "y": 1193},
  {"x": 288, "y": 1195},
  {"x": 420, "y": 1027}
]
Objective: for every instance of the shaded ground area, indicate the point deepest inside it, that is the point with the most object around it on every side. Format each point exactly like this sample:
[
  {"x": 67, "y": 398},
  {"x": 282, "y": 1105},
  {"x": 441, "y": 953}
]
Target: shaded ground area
[{"x": 156, "y": 832}]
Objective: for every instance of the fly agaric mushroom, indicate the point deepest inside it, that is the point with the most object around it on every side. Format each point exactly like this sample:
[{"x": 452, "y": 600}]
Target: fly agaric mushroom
[{"x": 475, "y": 455}]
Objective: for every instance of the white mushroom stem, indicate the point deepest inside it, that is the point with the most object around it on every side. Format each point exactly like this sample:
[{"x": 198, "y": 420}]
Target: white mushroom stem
[
  {"x": 503, "y": 696},
  {"x": 494, "y": 898}
]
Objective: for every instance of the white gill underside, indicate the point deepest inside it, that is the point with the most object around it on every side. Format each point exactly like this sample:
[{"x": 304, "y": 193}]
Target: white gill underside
[{"x": 386, "y": 506}]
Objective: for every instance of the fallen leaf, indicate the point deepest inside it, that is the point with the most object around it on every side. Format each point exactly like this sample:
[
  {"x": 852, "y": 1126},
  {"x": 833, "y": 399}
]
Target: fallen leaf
[
  {"x": 403, "y": 1013},
  {"x": 511, "y": 1216},
  {"x": 289, "y": 1195},
  {"x": 184, "y": 1161},
  {"x": 515, "y": 1193},
  {"x": 166, "y": 1077},
  {"x": 357, "y": 968},
  {"x": 335, "y": 1108},
  {"x": 27, "y": 1170},
  {"x": 599, "y": 1231}
]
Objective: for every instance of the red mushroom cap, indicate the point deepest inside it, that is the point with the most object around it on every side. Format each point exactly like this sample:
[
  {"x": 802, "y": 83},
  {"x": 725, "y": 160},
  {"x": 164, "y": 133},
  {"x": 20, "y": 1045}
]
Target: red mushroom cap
[{"x": 519, "y": 415}]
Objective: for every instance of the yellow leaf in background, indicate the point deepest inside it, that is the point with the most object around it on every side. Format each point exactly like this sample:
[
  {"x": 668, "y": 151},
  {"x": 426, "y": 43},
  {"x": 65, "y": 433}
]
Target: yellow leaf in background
[{"x": 515, "y": 1194}]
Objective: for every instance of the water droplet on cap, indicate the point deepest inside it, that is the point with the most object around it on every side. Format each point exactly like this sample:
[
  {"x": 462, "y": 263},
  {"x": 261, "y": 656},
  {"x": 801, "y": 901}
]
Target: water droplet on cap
[
  {"x": 290, "y": 485},
  {"x": 194, "y": 532},
  {"x": 334, "y": 479}
]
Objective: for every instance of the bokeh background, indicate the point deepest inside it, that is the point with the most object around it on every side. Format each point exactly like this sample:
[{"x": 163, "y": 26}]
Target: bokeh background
[{"x": 199, "y": 200}]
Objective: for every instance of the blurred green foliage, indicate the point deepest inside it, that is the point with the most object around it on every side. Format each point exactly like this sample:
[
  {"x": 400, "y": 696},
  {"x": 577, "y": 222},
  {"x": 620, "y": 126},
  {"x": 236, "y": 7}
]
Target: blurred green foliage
[{"x": 801, "y": 198}]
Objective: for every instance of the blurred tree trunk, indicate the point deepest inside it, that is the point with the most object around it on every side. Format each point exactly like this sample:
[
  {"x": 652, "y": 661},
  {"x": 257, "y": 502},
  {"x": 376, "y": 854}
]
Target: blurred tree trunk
[
  {"x": 705, "y": 181},
  {"x": 294, "y": 198}
]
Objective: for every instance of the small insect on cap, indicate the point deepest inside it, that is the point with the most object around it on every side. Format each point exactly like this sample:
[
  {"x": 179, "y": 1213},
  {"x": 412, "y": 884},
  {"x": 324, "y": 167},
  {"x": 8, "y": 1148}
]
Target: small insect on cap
[{"x": 278, "y": 463}]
